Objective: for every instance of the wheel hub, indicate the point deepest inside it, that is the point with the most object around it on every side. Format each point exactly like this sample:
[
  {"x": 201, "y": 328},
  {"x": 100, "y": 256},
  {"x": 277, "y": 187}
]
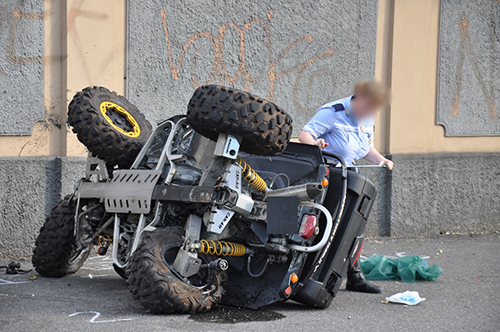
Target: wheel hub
[{"x": 120, "y": 119}]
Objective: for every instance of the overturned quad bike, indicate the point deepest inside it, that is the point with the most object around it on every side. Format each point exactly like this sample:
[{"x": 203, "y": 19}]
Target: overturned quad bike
[{"x": 212, "y": 207}]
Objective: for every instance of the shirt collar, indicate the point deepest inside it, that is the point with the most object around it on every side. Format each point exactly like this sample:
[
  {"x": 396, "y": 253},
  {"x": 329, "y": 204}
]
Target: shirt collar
[{"x": 348, "y": 107}]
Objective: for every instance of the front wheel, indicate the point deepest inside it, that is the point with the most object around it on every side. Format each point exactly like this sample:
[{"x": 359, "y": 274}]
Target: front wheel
[
  {"x": 159, "y": 289},
  {"x": 56, "y": 253}
]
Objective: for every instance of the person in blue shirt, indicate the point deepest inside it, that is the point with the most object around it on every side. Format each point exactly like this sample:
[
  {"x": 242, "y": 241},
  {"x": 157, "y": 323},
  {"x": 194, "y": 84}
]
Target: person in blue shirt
[{"x": 345, "y": 127}]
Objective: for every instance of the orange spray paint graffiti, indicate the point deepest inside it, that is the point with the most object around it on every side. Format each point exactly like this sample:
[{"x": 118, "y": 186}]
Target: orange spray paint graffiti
[
  {"x": 218, "y": 72},
  {"x": 10, "y": 53},
  {"x": 466, "y": 50}
]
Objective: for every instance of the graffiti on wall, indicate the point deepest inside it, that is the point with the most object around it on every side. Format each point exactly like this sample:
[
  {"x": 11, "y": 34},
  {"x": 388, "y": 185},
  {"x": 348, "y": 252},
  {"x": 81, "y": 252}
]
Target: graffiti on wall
[
  {"x": 298, "y": 59},
  {"x": 467, "y": 50},
  {"x": 12, "y": 19},
  {"x": 469, "y": 68},
  {"x": 21, "y": 66},
  {"x": 218, "y": 71}
]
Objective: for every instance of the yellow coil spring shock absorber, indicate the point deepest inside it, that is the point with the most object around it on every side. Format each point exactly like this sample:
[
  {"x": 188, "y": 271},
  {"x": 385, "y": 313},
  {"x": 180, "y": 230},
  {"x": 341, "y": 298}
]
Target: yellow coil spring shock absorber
[
  {"x": 221, "y": 248},
  {"x": 251, "y": 175}
]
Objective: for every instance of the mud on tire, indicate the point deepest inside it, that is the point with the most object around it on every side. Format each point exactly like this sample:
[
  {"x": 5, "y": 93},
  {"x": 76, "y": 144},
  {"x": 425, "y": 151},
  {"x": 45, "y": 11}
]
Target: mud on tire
[
  {"x": 109, "y": 126},
  {"x": 54, "y": 246},
  {"x": 158, "y": 289},
  {"x": 264, "y": 127}
]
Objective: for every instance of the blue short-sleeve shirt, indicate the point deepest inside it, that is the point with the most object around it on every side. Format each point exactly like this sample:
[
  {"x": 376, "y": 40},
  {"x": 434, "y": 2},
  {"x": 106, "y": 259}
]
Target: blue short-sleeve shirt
[{"x": 346, "y": 137}]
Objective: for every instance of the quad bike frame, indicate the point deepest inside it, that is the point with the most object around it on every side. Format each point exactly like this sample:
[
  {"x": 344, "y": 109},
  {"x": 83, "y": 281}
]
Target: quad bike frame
[
  {"x": 225, "y": 225},
  {"x": 322, "y": 265}
]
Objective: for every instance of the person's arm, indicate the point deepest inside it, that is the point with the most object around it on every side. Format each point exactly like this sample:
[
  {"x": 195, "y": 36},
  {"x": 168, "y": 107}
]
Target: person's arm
[
  {"x": 375, "y": 157},
  {"x": 322, "y": 122},
  {"x": 307, "y": 138}
]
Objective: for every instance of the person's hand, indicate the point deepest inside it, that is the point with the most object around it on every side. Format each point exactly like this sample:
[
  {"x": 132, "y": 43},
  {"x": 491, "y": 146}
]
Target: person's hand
[
  {"x": 388, "y": 163},
  {"x": 321, "y": 143}
]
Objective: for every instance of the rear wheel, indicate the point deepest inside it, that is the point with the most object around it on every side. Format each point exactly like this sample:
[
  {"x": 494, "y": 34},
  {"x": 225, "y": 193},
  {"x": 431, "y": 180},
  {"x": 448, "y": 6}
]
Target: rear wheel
[
  {"x": 265, "y": 128},
  {"x": 56, "y": 253},
  {"x": 158, "y": 287},
  {"x": 109, "y": 126}
]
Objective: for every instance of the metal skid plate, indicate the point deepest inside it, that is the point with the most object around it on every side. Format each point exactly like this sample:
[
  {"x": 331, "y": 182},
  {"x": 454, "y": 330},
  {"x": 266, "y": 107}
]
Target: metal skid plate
[{"x": 129, "y": 191}]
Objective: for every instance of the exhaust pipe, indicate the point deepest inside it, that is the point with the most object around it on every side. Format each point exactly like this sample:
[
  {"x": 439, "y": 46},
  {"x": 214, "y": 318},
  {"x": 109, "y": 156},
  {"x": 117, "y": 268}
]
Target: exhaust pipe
[{"x": 303, "y": 192}]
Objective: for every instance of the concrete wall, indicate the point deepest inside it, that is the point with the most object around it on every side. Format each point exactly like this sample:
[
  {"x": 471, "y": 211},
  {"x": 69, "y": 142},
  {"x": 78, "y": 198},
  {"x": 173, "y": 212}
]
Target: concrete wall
[
  {"x": 409, "y": 126},
  {"x": 31, "y": 186},
  {"x": 21, "y": 66},
  {"x": 300, "y": 54},
  {"x": 469, "y": 68},
  {"x": 96, "y": 52},
  {"x": 438, "y": 193}
]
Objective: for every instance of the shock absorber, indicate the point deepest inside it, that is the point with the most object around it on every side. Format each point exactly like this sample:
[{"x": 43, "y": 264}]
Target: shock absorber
[
  {"x": 251, "y": 176},
  {"x": 221, "y": 248}
]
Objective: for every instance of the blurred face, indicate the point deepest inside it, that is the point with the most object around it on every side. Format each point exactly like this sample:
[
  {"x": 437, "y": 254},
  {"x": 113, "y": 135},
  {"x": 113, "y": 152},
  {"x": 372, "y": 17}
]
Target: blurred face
[{"x": 362, "y": 108}]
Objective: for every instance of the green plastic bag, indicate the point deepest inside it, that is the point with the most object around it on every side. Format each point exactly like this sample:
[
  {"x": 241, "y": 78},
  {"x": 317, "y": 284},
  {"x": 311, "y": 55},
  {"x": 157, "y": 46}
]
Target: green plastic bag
[{"x": 406, "y": 268}]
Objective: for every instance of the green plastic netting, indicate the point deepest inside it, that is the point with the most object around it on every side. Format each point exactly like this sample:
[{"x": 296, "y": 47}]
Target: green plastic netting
[{"x": 407, "y": 268}]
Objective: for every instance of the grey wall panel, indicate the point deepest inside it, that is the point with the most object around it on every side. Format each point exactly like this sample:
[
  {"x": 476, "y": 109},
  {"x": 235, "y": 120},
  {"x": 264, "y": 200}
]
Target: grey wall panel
[
  {"x": 31, "y": 187},
  {"x": 21, "y": 66},
  {"x": 379, "y": 222},
  {"x": 439, "y": 193},
  {"x": 301, "y": 54},
  {"x": 468, "y": 101}
]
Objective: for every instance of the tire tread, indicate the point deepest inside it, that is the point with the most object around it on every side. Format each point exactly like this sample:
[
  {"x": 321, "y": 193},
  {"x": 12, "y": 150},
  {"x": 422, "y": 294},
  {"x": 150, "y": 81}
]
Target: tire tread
[
  {"x": 265, "y": 128},
  {"x": 52, "y": 246},
  {"x": 153, "y": 284},
  {"x": 98, "y": 135}
]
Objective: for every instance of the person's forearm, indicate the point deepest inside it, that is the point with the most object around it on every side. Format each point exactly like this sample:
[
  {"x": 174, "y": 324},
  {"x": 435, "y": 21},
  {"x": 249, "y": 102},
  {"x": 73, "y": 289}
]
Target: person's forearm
[
  {"x": 374, "y": 156},
  {"x": 306, "y": 138}
]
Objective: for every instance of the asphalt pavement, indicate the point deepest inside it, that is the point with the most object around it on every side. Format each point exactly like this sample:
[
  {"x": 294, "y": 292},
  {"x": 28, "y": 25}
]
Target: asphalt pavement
[{"x": 464, "y": 298}]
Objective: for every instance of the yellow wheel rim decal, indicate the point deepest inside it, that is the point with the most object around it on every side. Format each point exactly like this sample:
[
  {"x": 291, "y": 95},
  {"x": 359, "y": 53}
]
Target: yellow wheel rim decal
[{"x": 107, "y": 105}]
